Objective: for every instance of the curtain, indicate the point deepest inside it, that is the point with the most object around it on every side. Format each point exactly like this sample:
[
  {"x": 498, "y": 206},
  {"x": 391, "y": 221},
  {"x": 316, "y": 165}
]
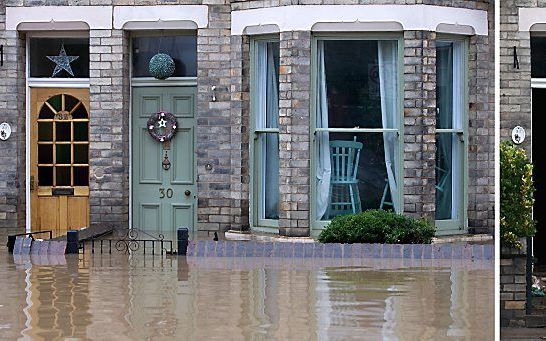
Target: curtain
[
  {"x": 324, "y": 167},
  {"x": 388, "y": 88},
  {"x": 458, "y": 96},
  {"x": 446, "y": 141},
  {"x": 272, "y": 140}
]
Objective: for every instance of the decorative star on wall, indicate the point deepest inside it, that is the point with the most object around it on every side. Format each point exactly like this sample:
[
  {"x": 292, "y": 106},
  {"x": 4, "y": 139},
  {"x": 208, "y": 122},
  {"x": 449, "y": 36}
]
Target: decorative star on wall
[{"x": 62, "y": 62}]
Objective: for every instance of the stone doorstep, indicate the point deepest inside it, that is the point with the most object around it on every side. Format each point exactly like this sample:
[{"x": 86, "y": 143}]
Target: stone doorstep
[
  {"x": 264, "y": 237},
  {"x": 463, "y": 238},
  {"x": 535, "y": 320}
]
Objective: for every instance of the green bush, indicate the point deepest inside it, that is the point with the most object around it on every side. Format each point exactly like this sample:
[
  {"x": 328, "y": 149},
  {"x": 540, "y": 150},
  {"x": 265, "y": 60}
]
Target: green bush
[
  {"x": 377, "y": 226},
  {"x": 516, "y": 195}
]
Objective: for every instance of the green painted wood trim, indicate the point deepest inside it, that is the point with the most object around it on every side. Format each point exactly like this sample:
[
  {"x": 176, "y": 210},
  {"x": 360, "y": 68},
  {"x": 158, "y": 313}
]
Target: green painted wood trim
[
  {"x": 317, "y": 225},
  {"x": 446, "y": 227},
  {"x": 257, "y": 224}
]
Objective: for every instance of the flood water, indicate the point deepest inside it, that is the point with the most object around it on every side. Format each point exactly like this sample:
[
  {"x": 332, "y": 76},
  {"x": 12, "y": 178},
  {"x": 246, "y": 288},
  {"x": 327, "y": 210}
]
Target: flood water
[{"x": 120, "y": 297}]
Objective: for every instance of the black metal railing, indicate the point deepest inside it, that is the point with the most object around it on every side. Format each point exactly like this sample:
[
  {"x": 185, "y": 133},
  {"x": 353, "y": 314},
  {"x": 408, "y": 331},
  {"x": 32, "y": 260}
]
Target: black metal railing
[{"x": 129, "y": 241}]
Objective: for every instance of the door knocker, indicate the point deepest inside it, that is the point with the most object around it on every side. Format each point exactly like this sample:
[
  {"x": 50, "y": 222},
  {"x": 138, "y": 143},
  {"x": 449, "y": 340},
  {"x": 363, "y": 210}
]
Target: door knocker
[{"x": 166, "y": 163}]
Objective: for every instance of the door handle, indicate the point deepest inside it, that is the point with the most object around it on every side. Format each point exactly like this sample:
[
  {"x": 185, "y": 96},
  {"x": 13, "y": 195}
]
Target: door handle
[
  {"x": 187, "y": 193},
  {"x": 32, "y": 183}
]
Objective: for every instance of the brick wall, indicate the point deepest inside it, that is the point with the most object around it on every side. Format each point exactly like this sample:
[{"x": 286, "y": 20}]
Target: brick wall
[
  {"x": 513, "y": 288},
  {"x": 109, "y": 128},
  {"x": 12, "y": 151},
  {"x": 294, "y": 139},
  {"x": 216, "y": 192},
  {"x": 515, "y": 84},
  {"x": 419, "y": 123}
]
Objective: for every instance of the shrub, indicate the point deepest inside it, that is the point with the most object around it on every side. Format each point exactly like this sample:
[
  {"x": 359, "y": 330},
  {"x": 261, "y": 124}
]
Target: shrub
[
  {"x": 377, "y": 226},
  {"x": 516, "y": 195}
]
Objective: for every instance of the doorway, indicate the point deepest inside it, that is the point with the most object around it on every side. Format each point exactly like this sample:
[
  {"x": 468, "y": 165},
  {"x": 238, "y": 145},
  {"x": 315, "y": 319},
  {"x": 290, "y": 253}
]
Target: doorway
[
  {"x": 539, "y": 176},
  {"x": 163, "y": 198},
  {"x": 59, "y": 159}
]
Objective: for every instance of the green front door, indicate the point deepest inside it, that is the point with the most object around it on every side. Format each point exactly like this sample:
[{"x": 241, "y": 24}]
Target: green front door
[{"x": 163, "y": 199}]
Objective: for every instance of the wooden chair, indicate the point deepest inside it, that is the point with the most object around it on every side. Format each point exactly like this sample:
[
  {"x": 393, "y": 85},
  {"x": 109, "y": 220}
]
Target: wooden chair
[
  {"x": 443, "y": 175},
  {"x": 344, "y": 197},
  {"x": 384, "y": 201}
]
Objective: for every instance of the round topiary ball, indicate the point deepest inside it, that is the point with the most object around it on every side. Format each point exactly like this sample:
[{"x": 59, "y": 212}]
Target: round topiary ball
[{"x": 161, "y": 66}]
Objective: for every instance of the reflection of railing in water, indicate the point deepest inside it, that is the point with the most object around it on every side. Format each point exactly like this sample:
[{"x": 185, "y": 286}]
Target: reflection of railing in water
[
  {"x": 11, "y": 238},
  {"x": 127, "y": 241}
]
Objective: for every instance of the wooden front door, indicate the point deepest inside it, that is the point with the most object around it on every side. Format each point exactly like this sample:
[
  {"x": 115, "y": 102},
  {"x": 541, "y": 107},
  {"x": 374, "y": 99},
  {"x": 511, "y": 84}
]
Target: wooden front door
[
  {"x": 163, "y": 199},
  {"x": 59, "y": 159}
]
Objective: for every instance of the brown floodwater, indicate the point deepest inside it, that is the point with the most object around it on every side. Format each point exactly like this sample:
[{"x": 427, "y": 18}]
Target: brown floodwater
[{"x": 120, "y": 297}]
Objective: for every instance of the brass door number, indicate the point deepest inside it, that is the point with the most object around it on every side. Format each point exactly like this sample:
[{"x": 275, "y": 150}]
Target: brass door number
[{"x": 166, "y": 193}]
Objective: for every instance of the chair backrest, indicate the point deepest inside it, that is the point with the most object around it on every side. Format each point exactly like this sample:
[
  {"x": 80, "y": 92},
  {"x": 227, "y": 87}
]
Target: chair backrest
[{"x": 344, "y": 158}]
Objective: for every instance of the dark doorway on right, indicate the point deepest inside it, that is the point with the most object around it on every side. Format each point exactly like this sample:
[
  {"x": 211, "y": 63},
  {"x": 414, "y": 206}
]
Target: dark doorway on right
[{"x": 539, "y": 176}]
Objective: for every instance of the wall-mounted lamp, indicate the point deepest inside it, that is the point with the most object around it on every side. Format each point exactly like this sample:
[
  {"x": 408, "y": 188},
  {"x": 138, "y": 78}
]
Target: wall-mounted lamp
[{"x": 516, "y": 61}]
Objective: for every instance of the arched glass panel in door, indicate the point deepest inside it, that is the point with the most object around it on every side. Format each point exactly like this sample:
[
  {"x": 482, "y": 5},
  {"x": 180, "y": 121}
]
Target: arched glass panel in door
[{"x": 63, "y": 142}]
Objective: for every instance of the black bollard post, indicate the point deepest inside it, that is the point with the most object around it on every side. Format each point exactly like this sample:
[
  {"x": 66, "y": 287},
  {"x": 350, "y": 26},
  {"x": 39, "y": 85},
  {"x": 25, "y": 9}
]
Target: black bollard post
[
  {"x": 182, "y": 237},
  {"x": 11, "y": 243},
  {"x": 72, "y": 241}
]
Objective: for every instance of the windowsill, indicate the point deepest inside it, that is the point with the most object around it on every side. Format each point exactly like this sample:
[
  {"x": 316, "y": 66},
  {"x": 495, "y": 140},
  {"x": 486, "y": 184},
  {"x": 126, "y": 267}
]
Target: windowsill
[{"x": 264, "y": 229}]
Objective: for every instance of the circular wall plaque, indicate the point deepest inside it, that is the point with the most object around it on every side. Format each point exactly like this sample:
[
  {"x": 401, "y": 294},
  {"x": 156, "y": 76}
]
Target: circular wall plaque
[
  {"x": 5, "y": 131},
  {"x": 518, "y": 135}
]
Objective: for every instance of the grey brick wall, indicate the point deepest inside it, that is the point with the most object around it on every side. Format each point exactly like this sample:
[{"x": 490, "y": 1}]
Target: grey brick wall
[
  {"x": 513, "y": 288},
  {"x": 240, "y": 125},
  {"x": 294, "y": 139},
  {"x": 109, "y": 128},
  {"x": 419, "y": 123},
  {"x": 515, "y": 84},
  {"x": 12, "y": 151},
  {"x": 216, "y": 191}
]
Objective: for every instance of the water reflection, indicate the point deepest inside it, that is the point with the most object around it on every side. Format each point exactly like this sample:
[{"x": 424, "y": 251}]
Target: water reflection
[{"x": 117, "y": 297}]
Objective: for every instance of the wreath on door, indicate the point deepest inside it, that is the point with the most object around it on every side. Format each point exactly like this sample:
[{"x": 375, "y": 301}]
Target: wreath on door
[{"x": 162, "y": 126}]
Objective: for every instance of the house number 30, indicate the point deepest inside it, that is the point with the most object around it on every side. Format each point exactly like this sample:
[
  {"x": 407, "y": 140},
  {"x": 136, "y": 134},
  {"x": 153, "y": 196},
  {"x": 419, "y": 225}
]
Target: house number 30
[{"x": 165, "y": 193}]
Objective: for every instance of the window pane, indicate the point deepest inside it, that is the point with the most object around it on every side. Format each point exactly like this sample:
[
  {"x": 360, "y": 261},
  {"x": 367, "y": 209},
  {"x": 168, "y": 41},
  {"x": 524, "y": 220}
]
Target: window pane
[
  {"x": 62, "y": 131},
  {"x": 45, "y": 153},
  {"x": 81, "y": 153},
  {"x": 81, "y": 133},
  {"x": 182, "y": 49},
  {"x": 56, "y": 102},
  {"x": 538, "y": 57},
  {"x": 444, "y": 172},
  {"x": 79, "y": 112},
  {"x": 45, "y": 176},
  {"x": 70, "y": 102},
  {"x": 45, "y": 131},
  {"x": 353, "y": 73},
  {"x": 269, "y": 182},
  {"x": 444, "y": 85},
  {"x": 41, "y": 66},
  {"x": 81, "y": 176},
  {"x": 46, "y": 113},
  {"x": 63, "y": 176},
  {"x": 63, "y": 153}
]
